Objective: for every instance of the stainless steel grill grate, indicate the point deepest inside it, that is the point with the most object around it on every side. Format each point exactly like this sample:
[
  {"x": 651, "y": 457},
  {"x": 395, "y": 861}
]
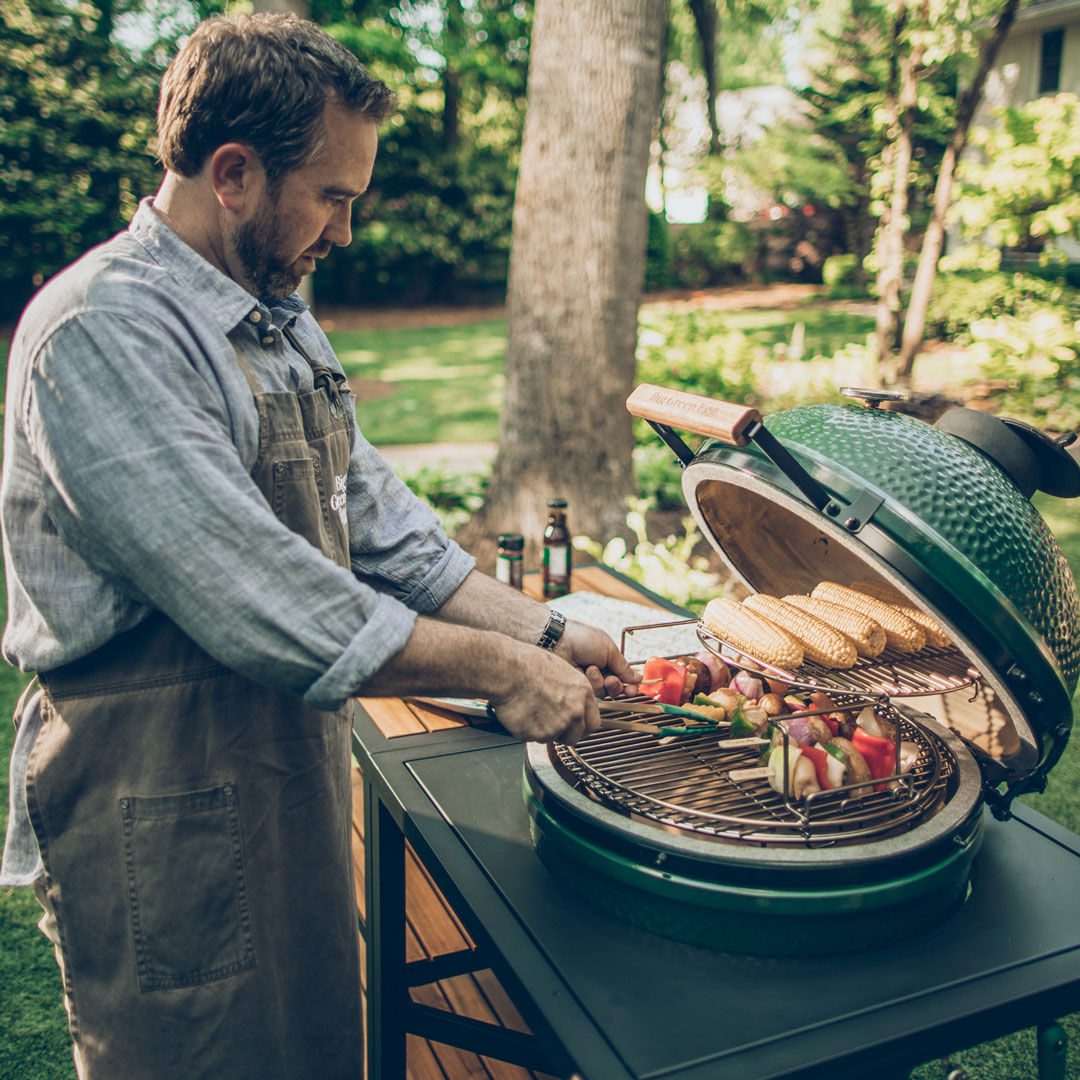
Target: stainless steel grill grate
[{"x": 688, "y": 785}]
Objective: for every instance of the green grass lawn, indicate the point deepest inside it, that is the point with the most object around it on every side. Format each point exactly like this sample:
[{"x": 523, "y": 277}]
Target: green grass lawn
[{"x": 447, "y": 386}]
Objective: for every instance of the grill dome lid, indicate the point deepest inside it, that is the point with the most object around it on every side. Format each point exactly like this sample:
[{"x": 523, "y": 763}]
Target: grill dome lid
[{"x": 839, "y": 492}]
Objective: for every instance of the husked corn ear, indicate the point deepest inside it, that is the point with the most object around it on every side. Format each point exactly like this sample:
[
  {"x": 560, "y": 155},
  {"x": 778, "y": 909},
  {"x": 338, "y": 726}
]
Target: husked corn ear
[
  {"x": 900, "y": 632},
  {"x": 881, "y": 590},
  {"x": 750, "y": 633},
  {"x": 820, "y": 642},
  {"x": 866, "y": 635}
]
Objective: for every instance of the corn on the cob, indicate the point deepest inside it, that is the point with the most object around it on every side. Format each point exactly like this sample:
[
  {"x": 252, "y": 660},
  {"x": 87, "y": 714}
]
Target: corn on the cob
[
  {"x": 881, "y": 590},
  {"x": 867, "y": 635},
  {"x": 900, "y": 632},
  {"x": 750, "y": 633},
  {"x": 820, "y": 642}
]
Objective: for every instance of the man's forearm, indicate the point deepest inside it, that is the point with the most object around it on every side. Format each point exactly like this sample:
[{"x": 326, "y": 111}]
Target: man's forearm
[
  {"x": 445, "y": 659},
  {"x": 483, "y": 603}
]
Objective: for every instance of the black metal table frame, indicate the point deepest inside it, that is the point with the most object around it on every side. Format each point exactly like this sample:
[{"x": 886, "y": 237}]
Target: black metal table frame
[{"x": 566, "y": 1041}]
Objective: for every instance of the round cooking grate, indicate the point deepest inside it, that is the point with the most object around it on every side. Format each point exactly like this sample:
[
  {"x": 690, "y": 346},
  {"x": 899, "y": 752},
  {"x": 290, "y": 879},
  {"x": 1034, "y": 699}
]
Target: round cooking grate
[
  {"x": 892, "y": 674},
  {"x": 692, "y": 784}
]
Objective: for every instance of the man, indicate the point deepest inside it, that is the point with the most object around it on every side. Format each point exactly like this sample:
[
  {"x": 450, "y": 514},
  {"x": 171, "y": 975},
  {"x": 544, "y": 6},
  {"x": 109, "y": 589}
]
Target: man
[{"x": 206, "y": 561}]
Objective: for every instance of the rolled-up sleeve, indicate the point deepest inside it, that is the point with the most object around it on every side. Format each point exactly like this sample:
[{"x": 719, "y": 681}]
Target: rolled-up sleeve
[
  {"x": 143, "y": 481},
  {"x": 395, "y": 540}
]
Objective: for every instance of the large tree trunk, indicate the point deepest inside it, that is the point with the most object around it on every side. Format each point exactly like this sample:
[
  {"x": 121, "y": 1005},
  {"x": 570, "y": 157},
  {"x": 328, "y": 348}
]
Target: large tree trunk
[
  {"x": 704, "y": 12},
  {"x": 903, "y": 96},
  {"x": 576, "y": 269},
  {"x": 934, "y": 240}
]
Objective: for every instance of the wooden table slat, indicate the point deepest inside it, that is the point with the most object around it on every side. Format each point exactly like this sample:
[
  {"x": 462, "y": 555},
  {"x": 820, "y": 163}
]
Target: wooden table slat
[
  {"x": 464, "y": 997},
  {"x": 393, "y": 716},
  {"x": 422, "y": 1064},
  {"x": 429, "y": 913},
  {"x": 456, "y": 1064},
  {"x": 437, "y": 719}
]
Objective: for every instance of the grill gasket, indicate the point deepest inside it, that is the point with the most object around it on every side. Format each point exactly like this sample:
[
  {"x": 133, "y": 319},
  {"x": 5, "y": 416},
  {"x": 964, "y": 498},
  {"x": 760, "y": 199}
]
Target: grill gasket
[{"x": 640, "y": 779}]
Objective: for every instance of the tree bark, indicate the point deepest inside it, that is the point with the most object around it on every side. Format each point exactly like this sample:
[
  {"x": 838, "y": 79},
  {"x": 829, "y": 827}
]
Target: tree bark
[
  {"x": 576, "y": 270},
  {"x": 704, "y": 12},
  {"x": 934, "y": 239},
  {"x": 453, "y": 35}
]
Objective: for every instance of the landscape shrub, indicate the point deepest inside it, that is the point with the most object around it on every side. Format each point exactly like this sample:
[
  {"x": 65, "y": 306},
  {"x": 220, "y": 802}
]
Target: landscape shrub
[
  {"x": 1039, "y": 357},
  {"x": 708, "y": 253},
  {"x": 658, "y": 254},
  {"x": 962, "y": 298},
  {"x": 668, "y": 567},
  {"x": 838, "y": 274},
  {"x": 454, "y": 495}
]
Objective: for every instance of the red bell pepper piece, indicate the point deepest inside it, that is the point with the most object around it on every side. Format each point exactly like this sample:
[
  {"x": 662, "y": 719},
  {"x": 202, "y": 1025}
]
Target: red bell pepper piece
[
  {"x": 880, "y": 753},
  {"x": 820, "y": 759},
  {"x": 664, "y": 680}
]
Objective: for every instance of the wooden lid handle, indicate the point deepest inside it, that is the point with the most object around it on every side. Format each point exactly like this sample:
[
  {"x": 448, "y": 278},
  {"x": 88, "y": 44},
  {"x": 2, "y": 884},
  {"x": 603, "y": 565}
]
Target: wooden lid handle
[{"x": 691, "y": 412}]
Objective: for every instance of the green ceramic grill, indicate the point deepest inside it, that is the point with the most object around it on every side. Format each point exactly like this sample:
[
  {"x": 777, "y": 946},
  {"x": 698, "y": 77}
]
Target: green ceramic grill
[{"x": 665, "y": 838}]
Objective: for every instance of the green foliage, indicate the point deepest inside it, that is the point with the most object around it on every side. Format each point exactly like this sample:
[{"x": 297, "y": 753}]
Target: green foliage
[
  {"x": 962, "y": 298},
  {"x": 658, "y": 474},
  {"x": 709, "y": 253},
  {"x": 838, "y": 274},
  {"x": 1024, "y": 184},
  {"x": 436, "y": 222},
  {"x": 1039, "y": 356},
  {"x": 78, "y": 112},
  {"x": 668, "y": 567},
  {"x": 454, "y": 496},
  {"x": 658, "y": 249}
]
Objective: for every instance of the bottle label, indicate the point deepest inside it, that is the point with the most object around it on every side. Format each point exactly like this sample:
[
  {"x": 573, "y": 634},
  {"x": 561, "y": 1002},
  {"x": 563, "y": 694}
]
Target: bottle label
[
  {"x": 557, "y": 562},
  {"x": 502, "y": 569}
]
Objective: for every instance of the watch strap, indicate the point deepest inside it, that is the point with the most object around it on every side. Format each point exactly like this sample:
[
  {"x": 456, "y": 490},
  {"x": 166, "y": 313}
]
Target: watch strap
[{"x": 553, "y": 631}]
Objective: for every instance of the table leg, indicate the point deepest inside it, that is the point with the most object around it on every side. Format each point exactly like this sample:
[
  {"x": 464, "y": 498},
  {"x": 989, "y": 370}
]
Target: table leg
[
  {"x": 1053, "y": 1051},
  {"x": 387, "y": 990}
]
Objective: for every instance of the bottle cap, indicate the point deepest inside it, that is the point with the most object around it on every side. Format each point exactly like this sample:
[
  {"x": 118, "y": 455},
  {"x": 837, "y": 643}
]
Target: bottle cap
[
  {"x": 512, "y": 541},
  {"x": 557, "y": 504}
]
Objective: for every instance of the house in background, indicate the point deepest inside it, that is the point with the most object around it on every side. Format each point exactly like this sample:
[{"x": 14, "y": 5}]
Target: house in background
[{"x": 1040, "y": 56}]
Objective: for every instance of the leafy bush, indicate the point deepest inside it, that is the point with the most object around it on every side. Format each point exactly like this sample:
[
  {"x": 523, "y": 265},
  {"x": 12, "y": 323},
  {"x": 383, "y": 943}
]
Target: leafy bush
[
  {"x": 1025, "y": 183},
  {"x": 1039, "y": 357},
  {"x": 838, "y": 275},
  {"x": 657, "y": 254},
  {"x": 668, "y": 567},
  {"x": 709, "y": 253},
  {"x": 454, "y": 496},
  {"x": 659, "y": 476},
  {"x": 961, "y": 299}
]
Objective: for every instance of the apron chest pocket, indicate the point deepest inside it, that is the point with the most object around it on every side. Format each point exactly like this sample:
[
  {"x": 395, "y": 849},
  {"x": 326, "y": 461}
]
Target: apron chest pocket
[
  {"x": 187, "y": 887},
  {"x": 299, "y": 500}
]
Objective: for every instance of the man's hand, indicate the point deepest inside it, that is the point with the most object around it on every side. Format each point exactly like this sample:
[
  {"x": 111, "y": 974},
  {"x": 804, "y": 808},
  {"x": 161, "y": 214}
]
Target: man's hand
[
  {"x": 595, "y": 653},
  {"x": 546, "y": 699}
]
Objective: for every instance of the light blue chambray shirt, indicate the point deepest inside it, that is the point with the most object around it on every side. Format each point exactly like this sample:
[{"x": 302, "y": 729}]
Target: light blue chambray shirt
[{"x": 128, "y": 439}]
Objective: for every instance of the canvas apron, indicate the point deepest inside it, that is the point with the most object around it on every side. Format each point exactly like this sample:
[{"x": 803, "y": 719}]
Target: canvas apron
[{"x": 195, "y": 827}]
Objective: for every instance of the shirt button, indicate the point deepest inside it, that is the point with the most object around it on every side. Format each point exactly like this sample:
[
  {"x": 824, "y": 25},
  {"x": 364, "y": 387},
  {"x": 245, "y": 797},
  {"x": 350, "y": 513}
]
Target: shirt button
[
  {"x": 254, "y": 316},
  {"x": 267, "y": 339}
]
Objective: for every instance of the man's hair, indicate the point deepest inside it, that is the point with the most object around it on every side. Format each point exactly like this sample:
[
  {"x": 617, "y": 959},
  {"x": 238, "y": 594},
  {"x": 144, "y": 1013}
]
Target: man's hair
[{"x": 263, "y": 80}]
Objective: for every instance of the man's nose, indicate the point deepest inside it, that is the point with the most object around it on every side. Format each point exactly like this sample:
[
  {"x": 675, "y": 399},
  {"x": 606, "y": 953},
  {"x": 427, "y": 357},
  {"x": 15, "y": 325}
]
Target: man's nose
[{"x": 339, "y": 230}]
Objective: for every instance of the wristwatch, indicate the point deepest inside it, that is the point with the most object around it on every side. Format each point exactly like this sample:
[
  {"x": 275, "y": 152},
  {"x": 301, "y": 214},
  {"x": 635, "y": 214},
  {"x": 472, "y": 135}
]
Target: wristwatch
[{"x": 556, "y": 624}]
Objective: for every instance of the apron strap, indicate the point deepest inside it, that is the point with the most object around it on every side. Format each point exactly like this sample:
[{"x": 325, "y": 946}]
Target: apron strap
[{"x": 324, "y": 376}]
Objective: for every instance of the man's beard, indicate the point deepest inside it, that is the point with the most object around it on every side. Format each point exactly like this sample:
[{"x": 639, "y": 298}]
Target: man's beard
[{"x": 258, "y": 247}]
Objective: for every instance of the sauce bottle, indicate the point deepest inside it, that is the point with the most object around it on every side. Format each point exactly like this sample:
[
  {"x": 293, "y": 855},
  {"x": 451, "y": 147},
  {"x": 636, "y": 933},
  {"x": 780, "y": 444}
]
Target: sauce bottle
[
  {"x": 556, "y": 564},
  {"x": 509, "y": 561}
]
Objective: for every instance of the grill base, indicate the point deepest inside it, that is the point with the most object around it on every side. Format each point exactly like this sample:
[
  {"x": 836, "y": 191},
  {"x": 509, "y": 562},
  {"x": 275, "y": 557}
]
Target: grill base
[
  {"x": 758, "y": 898},
  {"x": 773, "y": 918}
]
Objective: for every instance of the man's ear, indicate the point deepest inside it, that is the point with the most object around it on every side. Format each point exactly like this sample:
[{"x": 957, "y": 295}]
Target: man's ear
[{"x": 237, "y": 177}]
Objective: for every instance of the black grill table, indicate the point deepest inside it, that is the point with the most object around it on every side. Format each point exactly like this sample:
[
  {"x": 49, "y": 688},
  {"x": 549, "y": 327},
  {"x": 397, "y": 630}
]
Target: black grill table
[{"x": 606, "y": 1000}]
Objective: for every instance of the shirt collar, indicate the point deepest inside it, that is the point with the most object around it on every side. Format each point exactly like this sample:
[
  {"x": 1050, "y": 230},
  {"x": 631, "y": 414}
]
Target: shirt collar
[{"x": 217, "y": 292}]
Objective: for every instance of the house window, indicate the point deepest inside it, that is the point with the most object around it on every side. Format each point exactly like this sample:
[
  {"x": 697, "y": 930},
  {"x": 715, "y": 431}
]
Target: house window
[{"x": 1050, "y": 62}]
